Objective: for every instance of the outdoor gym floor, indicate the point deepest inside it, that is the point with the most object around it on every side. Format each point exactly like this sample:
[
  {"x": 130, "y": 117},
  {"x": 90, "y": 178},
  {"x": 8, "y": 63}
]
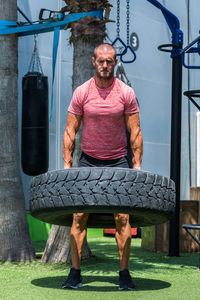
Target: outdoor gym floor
[{"x": 156, "y": 275}]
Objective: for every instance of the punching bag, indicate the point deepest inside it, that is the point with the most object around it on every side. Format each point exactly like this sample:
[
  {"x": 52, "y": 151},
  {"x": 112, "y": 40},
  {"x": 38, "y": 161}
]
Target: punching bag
[
  {"x": 35, "y": 124},
  {"x": 35, "y": 121}
]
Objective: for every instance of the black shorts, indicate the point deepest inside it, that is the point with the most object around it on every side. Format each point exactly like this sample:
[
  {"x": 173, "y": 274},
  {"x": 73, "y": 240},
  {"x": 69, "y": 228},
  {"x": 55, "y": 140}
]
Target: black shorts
[{"x": 88, "y": 161}]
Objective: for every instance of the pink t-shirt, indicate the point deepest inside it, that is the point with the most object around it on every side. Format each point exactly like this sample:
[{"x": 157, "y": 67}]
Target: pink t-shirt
[{"x": 103, "y": 133}]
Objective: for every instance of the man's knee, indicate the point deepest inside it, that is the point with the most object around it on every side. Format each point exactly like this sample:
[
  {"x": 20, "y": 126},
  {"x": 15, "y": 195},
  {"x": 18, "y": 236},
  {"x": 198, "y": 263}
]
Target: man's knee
[{"x": 121, "y": 220}]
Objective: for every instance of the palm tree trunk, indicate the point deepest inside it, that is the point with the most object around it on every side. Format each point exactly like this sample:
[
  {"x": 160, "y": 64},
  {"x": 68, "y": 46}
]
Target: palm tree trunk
[
  {"x": 14, "y": 235},
  {"x": 84, "y": 45},
  {"x": 58, "y": 245}
]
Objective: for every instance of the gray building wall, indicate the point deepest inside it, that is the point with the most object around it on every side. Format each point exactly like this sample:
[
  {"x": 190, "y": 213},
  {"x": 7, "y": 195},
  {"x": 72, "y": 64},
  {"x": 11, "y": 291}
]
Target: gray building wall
[{"x": 150, "y": 76}]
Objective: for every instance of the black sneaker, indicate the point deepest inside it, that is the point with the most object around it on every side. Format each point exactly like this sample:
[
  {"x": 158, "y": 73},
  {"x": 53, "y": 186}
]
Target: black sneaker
[
  {"x": 74, "y": 280},
  {"x": 125, "y": 281}
]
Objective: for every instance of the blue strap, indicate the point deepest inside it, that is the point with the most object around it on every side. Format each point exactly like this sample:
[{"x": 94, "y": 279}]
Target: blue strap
[
  {"x": 55, "y": 50},
  {"x": 7, "y": 24},
  {"x": 46, "y": 26}
]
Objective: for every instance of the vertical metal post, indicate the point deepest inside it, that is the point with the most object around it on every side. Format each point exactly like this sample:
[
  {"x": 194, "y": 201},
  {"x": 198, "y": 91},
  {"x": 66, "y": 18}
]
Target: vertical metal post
[
  {"x": 175, "y": 164},
  {"x": 176, "y": 113}
]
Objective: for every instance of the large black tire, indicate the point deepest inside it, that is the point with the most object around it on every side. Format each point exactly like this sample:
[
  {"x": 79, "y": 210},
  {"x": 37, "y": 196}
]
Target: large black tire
[{"x": 147, "y": 197}]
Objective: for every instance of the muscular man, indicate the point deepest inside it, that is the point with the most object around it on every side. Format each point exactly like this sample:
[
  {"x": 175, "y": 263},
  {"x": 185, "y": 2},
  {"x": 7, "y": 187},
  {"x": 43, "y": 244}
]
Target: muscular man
[{"x": 106, "y": 106}]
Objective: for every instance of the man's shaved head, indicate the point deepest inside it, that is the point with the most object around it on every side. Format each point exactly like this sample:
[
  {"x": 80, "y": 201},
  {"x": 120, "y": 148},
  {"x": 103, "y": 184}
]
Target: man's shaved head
[
  {"x": 104, "y": 47},
  {"x": 104, "y": 62}
]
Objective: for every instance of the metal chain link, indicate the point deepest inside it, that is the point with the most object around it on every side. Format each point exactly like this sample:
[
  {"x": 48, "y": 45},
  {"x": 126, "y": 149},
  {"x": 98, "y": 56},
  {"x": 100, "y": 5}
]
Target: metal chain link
[
  {"x": 118, "y": 17},
  {"x": 127, "y": 20}
]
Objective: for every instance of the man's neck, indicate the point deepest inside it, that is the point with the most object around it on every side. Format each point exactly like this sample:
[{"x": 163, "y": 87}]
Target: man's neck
[{"x": 103, "y": 83}]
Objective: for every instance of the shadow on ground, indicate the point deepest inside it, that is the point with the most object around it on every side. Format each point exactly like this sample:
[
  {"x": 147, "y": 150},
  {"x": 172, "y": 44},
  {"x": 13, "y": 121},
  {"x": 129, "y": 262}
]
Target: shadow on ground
[
  {"x": 141, "y": 259},
  {"x": 102, "y": 283}
]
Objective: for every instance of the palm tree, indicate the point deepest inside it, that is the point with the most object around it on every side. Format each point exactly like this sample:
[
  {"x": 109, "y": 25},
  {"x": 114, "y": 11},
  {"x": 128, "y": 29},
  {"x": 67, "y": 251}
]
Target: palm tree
[
  {"x": 14, "y": 235},
  {"x": 86, "y": 34}
]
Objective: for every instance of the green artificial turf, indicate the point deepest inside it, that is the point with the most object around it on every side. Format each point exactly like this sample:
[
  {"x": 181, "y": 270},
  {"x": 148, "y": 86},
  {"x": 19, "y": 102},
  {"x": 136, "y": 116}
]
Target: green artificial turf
[
  {"x": 94, "y": 232},
  {"x": 156, "y": 276}
]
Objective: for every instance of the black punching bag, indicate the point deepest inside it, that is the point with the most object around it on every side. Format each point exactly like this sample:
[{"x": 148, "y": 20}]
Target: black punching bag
[{"x": 35, "y": 124}]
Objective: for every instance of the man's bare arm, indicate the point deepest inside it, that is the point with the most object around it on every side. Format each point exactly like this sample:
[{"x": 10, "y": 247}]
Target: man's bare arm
[
  {"x": 73, "y": 125},
  {"x": 136, "y": 140}
]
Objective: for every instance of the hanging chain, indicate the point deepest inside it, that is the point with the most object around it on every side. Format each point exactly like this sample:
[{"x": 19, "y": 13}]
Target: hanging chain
[
  {"x": 35, "y": 63},
  {"x": 127, "y": 20},
  {"x": 118, "y": 18}
]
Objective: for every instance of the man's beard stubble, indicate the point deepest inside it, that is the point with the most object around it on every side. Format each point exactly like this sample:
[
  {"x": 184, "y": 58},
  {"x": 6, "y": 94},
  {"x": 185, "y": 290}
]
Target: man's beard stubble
[{"x": 110, "y": 76}]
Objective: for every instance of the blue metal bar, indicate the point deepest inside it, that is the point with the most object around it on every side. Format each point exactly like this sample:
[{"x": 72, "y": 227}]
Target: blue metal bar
[
  {"x": 177, "y": 35},
  {"x": 187, "y": 48},
  {"x": 172, "y": 21},
  {"x": 187, "y": 66},
  {"x": 190, "y": 49}
]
